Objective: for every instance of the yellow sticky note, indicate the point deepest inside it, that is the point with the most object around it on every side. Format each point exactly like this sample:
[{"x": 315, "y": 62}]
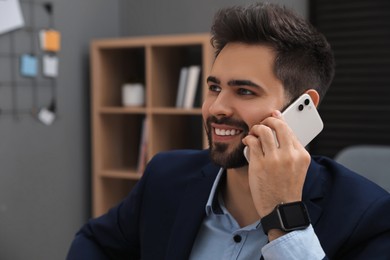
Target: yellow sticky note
[{"x": 51, "y": 40}]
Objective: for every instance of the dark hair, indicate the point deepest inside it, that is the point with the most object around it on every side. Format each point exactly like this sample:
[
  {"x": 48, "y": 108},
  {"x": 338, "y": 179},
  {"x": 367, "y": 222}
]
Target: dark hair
[{"x": 304, "y": 58}]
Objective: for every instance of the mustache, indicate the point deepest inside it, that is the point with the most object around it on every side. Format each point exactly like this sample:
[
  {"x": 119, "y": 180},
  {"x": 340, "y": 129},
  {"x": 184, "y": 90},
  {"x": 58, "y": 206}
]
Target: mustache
[{"x": 226, "y": 121}]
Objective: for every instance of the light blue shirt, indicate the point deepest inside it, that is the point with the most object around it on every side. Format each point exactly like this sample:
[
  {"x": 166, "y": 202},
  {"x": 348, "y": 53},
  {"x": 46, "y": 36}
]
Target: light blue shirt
[{"x": 220, "y": 237}]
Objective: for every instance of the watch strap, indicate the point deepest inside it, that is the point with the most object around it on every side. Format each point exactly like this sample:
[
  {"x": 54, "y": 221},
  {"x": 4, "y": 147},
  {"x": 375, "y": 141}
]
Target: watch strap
[{"x": 271, "y": 221}]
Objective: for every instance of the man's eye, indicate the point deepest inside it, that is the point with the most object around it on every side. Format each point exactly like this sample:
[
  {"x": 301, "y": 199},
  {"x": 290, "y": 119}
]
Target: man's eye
[
  {"x": 214, "y": 88},
  {"x": 245, "y": 92}
]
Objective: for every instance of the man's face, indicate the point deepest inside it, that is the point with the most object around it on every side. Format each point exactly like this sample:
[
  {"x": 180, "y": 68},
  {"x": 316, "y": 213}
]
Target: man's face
[{"x": 243, "y": 91}]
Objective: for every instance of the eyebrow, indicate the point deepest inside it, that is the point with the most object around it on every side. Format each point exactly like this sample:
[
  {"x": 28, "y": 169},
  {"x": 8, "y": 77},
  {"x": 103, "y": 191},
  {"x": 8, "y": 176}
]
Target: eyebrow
[
  {"x": 243, "y": 82},
  {"x": 235, "y": 83},
  {"x": 213, "y": 80}
]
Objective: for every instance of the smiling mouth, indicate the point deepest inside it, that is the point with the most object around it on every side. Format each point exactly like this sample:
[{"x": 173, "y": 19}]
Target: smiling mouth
[{"x": 226, "y": 132}]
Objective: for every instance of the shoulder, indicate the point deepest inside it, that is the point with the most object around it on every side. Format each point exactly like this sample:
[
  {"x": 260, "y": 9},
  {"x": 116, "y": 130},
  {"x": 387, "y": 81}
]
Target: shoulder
[
  {"x": 346, "y": 196},
  {"x": 356, "y": 207},
  {"x": 179, "y": 160},
  {"x": 180, "y": 165},
  {"x": 343, "y": 194},
  {"x": 181, "y": 157},
  {"x": 169, "y": 174}
]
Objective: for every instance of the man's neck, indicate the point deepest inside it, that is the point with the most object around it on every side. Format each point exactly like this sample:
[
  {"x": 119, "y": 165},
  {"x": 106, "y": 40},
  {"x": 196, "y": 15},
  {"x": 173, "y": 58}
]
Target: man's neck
[{"x": 238, "y": 198}]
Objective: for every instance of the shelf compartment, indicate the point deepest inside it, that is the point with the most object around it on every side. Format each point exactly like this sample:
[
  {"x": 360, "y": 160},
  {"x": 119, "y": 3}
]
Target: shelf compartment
[
  {"x": 110, "y": 192},
  {"x": 165, "y": 65},
  {"x": 169, "y": 132},
  {"x": 119, "y": 139},
  {"x": 111, "y": 68}
]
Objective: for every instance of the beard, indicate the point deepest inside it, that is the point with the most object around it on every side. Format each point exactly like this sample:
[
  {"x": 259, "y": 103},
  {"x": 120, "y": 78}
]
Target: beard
[{"x": 219, "y": 152}]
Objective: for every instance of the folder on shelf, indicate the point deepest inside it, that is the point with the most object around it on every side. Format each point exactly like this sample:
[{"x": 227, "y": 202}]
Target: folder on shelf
[
  {"x": 181, "y": 89},
  {"x": 191, "y": 86},
  {"x": 142, "y": 154}
]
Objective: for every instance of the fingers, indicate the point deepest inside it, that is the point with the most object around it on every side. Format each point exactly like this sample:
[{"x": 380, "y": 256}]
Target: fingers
[
  {"x": 283, "y": 132},
  {"x": 273, "y": 133},
  {"x": 266, "y": 137},
  {"x": 253, "y": 147}
]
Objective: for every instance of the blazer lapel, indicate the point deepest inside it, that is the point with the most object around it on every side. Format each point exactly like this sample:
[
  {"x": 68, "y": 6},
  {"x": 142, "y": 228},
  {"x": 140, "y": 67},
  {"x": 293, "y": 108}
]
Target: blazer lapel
[{"x": 191, "y": 213}]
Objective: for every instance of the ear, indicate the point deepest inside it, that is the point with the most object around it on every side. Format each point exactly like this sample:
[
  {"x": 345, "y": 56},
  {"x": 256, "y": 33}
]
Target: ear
[{"x": 314, "y": 96}]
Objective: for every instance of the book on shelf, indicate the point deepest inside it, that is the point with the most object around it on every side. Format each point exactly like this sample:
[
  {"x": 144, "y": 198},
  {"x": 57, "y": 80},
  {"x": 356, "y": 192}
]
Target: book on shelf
[
  {"x": 181, "y": 86},
  {"x": 142, "y": 153},
  {"x": 188, "y": 85},
  {"x": 192, "y": 85}
]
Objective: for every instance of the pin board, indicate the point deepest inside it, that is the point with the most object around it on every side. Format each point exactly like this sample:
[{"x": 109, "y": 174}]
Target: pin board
[{"x": 29, "y": 60}]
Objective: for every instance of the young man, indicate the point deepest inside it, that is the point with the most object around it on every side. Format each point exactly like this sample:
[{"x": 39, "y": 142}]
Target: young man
[{"x": 213, "y": 204}]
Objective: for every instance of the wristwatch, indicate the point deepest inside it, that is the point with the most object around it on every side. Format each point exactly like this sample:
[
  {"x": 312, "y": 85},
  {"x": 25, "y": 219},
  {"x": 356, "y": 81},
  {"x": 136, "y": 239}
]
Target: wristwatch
[{"x": 287, "y": 217}]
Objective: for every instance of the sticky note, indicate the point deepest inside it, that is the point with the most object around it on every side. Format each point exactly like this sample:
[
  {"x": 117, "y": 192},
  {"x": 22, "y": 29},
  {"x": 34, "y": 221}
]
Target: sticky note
[
  {"x": 11, "y": 17},
  {"x": 28, "y": 65},
  {"x": 50, "y": 40},
  {"x": 50, "y": 66}
]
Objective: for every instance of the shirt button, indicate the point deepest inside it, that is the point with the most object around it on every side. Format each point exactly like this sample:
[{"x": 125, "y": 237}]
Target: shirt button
[{"x": 237, "y": 238}]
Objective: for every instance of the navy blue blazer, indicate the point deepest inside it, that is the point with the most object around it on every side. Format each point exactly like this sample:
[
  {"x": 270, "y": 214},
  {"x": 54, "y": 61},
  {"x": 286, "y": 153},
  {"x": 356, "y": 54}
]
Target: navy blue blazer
[{"x": 161, "y": 216}]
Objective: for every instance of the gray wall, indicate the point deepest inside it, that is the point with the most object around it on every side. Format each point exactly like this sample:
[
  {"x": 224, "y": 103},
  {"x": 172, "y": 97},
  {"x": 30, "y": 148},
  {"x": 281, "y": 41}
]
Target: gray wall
[
  {"x": 149, "y": 17},
  {"x": 45, "y": 171}
]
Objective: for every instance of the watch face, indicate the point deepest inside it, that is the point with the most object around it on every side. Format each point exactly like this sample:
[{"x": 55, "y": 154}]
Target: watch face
[{"x": 294, "y": 215}]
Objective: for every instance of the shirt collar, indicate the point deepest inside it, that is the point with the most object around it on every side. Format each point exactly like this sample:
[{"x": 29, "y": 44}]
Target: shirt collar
[{"x": 212, "y": 205}]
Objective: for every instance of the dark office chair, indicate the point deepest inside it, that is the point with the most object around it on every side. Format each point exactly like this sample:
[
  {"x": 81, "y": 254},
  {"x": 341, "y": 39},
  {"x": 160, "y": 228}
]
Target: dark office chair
[{"x": 371, "y": 161}]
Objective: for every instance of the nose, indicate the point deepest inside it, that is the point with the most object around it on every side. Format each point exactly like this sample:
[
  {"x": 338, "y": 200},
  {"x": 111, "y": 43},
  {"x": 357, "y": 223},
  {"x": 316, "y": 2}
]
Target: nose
[{"x": 221, "y": 106}]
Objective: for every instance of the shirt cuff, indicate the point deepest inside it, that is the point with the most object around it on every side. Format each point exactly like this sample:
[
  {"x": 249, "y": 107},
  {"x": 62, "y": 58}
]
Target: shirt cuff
[{"x": 300, "y": 244}]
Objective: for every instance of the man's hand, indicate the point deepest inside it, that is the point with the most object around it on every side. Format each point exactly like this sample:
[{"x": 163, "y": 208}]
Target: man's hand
[{"x": 277, "y": 169}]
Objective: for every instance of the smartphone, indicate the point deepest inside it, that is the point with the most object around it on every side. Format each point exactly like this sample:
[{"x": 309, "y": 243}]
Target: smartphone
[{"x": 303, "y": 119}]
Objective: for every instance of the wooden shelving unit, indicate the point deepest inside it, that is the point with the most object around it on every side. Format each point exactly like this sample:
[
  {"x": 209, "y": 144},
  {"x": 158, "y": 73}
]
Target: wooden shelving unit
[{"x": 116, "y": 130}]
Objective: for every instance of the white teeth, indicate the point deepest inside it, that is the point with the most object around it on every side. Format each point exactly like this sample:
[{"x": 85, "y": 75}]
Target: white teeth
[{"x": 224, "y": 132}]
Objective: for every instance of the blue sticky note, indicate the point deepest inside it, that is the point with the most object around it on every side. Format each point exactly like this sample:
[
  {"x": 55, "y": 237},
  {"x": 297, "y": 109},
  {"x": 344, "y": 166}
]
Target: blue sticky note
[{"x": 28, "y": 65}]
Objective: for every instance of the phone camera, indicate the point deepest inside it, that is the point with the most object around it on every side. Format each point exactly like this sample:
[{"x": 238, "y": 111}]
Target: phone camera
[
  {"x": 300, "y": 107},
  {"x": 307, "y": 101}
]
